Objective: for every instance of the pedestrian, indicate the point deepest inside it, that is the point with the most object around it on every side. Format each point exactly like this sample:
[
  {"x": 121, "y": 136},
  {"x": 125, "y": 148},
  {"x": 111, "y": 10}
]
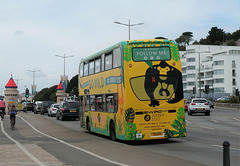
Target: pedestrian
[{"x": 2, "y": 106}]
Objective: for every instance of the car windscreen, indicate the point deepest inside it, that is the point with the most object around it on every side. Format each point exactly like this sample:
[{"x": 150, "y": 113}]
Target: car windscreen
[
  {"x": 71, "y": 105},
  {"x": 56, "y": 106},
  {"x": 199, "y": 101},
  {"x": 47, "y": 103}
]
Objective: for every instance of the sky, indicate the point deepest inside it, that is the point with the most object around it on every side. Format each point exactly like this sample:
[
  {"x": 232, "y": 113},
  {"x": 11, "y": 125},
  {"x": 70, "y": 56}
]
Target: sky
[{"x": 32, "y": 32}]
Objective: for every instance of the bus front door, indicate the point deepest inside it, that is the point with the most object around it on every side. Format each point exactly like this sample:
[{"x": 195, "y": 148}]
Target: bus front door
[{"x": 81, "y": 112}]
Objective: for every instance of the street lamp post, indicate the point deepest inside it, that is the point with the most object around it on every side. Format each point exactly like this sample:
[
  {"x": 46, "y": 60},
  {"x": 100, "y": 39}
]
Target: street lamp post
[
  {"x": 129, "y": 25},
  {"x": 33, "y": 88},
  {"x": 199, "y": 72},
  {"x": 64, "y": 57}
]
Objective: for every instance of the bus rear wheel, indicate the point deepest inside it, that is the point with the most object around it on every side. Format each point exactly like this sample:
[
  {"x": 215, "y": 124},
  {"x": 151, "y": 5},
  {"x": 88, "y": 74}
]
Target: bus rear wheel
[{"x": 112, "y": 132}]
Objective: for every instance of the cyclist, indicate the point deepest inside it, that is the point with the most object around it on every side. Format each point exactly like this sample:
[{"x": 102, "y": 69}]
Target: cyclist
[
  {"x": 12, "y": 112},
  {"x": 2, "y": 107}
]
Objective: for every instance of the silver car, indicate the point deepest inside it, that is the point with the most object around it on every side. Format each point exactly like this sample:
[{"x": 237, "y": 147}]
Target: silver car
[
  {"x": 199, "y": 105},
  {"x": 52, "y": 111}
]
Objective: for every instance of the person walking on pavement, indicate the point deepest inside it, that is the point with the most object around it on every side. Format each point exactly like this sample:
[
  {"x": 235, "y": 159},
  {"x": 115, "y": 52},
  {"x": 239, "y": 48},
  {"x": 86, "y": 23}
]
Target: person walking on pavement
[{"x": 2, "y": 107}]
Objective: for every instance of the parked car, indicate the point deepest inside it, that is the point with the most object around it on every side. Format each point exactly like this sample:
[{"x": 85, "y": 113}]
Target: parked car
[
  {"x": 30, "y": 106},
  {"x": 211, "y": 105},
  {"x": 186, "y": 105},
  {"x": 52, "y": 111},
  {"x": 199, "y": 105},
  {"x": 45, "y": 106},
  {"x": 68, "y": 109},
  {"x": 38, "y": 105},
  {"x": 223, "y": 98}
]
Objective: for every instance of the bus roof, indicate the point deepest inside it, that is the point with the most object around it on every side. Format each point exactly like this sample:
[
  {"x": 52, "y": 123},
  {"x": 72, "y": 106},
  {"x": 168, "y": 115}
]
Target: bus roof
[{"x": 130, "y": 42}]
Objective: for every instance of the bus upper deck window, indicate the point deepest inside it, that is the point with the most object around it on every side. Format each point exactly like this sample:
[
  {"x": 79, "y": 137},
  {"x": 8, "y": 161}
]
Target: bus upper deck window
[
  {"x": 91, "y": 67},
  {"x": 103, "y": 60},
  {"x": 97, "y": 65},
  {"x": 117, "y": 57},
  {"x": 81, "y": 70},
  {"x": 108, "y": 61},
  {"x": 85, "y": 69}
]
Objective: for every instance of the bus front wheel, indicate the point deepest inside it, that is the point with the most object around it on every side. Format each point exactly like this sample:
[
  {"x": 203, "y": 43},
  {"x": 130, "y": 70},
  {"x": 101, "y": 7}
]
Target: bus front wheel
[{"x": 112, "y": 132}]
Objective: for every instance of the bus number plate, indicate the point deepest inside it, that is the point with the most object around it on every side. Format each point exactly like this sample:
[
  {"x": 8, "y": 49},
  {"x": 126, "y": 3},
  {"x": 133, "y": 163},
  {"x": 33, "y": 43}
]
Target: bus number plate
[{"x": 157, "y": 134}]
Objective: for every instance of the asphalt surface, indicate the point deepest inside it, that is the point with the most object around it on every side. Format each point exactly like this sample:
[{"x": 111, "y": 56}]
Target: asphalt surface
[{"x": 37, "y": 140}]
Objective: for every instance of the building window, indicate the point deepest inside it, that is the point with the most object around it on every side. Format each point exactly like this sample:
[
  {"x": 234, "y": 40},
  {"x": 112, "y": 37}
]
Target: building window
[
  {"x": 220, "y": 71},
  {"x": 190, "y": 59},
  {"x": 234, "y": 82},
  {"x": 218, "y": 63},
  {"x": 234, "y": 52},
  {"x": 190, "y": 83},
  {"x": 220, "y": 90},
  {"x": 233, "y": 73},
  {"x": 233, "y": 64},
  {"x": 190, "y": 51},
  {"x": 191, "y": 76},
  {"x": 190, "y": 67},
  {"x": 219, "y": 80}
]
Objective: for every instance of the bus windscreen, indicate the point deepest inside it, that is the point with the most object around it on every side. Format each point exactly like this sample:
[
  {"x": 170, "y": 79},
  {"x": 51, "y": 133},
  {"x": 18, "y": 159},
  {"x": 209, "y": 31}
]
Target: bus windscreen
[{"x": 151, "y": 53}]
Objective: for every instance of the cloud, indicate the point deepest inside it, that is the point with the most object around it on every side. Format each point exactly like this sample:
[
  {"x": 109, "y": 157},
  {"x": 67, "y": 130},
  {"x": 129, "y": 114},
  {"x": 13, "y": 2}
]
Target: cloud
[{"x": 18, "y": 32}]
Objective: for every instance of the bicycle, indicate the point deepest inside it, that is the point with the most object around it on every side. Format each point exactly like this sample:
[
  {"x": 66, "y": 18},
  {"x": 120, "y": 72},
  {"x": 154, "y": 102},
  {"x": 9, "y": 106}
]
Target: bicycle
[
  {"x": 12, "y": 120},
  {"x": 1, "y": 114}
]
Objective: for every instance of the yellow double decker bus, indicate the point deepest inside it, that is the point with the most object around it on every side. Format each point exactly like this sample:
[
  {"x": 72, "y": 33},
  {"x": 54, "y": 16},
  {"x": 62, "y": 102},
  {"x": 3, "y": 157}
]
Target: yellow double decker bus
[{"x": 133, "y": 91}]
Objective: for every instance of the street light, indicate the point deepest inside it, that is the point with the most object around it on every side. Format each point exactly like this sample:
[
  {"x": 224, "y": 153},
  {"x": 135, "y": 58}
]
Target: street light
[
  {"x": 199, "y": 70},
  {"x": 64, "y": 57},
  {"x": 129, "y": 25},
  {"x": 33, "y": 88}
]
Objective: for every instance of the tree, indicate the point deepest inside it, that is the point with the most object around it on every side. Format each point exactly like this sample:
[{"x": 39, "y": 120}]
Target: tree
[
  {"x": 216, "y": 36},
  {"x": 236, "y": 35},
  {"x": 188, "y": 36},
  {"x": 184, "y": 40},
  {"x": 73, "y": 85},
  {"x": 47, "y": 94}
]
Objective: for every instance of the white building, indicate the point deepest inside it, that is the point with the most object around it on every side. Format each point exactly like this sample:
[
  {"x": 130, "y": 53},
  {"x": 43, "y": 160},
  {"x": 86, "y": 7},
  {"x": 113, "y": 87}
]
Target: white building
[{"x": 219, "y": 69}]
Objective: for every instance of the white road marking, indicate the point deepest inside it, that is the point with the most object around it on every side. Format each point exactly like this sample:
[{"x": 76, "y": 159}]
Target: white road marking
[
  {"x": 38, "y": 162},
  {"x": 236, "y": 119},
  {"x": 230, "y": 147},
  {"x": 205, "y": 127},
  {"x": 234, "y": 132},
  {"x": 213, "y": 120},
  {"x": 188, "y": 121},
  {"x": 83, "y": 150}
]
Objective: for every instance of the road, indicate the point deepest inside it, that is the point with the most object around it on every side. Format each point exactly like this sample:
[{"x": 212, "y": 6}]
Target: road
[{"x": 42, "y": 140}]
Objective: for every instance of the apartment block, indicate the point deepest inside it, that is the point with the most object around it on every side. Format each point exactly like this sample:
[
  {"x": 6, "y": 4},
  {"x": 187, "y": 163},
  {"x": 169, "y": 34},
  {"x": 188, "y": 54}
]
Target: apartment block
[{"x": 210, "y": 66}]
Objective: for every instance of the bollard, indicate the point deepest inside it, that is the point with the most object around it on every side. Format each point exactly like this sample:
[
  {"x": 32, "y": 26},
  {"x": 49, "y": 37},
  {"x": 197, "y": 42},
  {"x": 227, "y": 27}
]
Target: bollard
[{"x": 226, "y": 153}]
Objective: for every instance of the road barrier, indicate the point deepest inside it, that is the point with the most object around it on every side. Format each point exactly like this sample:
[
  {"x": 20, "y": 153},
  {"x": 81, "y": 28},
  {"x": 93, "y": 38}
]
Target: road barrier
[{"x": 228, "y": 105}]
